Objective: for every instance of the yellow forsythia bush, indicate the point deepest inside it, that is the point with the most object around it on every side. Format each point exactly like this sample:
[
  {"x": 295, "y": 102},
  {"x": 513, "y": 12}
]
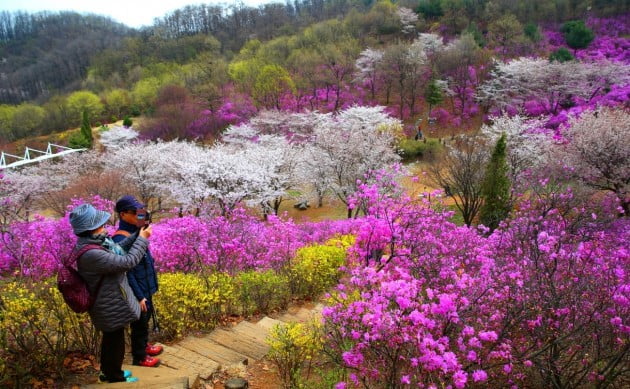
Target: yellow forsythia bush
[
  {"x": 37, "y": 330},
  {"x": 191, "y": 302},
  {"x": 315, "y": 268},
  {"x": 291, "y": 345},
  {"x": 261, "y": 291}
]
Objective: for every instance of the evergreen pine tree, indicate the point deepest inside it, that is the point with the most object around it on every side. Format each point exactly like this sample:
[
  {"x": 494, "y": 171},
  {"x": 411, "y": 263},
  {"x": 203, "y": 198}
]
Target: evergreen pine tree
[
  {"x": 561, "y": 55},
  {"x": 433, "y": 95},
  {"x": 496, "y": 188},
  {"x": 577, "y": 35},
  {"x": 86, "y": 130},
  {"x": 127, "y": 122}
]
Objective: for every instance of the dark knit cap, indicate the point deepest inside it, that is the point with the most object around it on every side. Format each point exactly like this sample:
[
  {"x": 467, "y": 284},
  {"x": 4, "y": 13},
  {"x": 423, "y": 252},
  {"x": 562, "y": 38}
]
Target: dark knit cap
[{"x": 128, "y": 203}]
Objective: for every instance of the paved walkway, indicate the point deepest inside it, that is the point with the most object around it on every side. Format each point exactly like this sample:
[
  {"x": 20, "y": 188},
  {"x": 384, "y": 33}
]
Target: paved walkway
[{"x": 191, "y": 361}]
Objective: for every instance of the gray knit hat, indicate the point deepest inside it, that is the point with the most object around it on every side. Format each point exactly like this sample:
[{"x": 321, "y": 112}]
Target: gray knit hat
[{"x": 87, "y": 218}]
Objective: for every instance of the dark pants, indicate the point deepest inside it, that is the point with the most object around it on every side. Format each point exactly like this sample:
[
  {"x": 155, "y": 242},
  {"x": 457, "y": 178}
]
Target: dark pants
[
  {"x": 140, "y": 336},
  {"x": 112, "y": 355}
]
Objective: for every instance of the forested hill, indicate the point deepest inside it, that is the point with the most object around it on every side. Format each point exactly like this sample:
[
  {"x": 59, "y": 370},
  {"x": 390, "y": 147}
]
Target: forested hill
[
  {"x": 48, "y": 53},
  {"x": 45, "y": 52},
  {"x": 214, "y": 66}
]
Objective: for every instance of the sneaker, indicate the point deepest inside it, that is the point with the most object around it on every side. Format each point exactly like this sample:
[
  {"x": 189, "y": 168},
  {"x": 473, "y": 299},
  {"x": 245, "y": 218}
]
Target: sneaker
[
  {"x": 148, "y": 362},
  {"x": 153, "y": 350},
  {"x": 127, "y": 378}
]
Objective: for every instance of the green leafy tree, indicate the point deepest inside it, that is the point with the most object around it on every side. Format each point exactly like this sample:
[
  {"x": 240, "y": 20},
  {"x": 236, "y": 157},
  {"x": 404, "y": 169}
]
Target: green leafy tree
[
  {"x": 76, "y": 140},
  {"x": 57, "y": 115},
  {"x": 145, "y": 92},
  {"x": 210, "y": 74},
  {"x": 561, "y": 55},
  {"x": 496, "y": 187},
  {"x": 577, "y": 35},
  {"x": 86, "y": 130},
  {"x": 507, "y": 34},
  {"x": 81, "y": 101},
  {"x": 433, "y": 95},
  {"x": 245, "y": 73},
  {"x": 6, "y": 121},
  {"x": 303, "y": 65},
  {"x": 27, "y": 120},
  {"x": 118, "y": 102},
  {"x": 430, "y": 8},
  {"x": 473, "y": 30},
  {"x": 272, "y": 82},
  {"x": 338, "y": 63},
  {"x": 532, "y": 32}
]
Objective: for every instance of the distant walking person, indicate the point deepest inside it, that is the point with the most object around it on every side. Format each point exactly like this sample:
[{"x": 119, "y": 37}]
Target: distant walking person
[
  {"x": 418, "y": 130},
  {"x": 103, "y": 269},
  {"x": 142, "y": 279},
  {"x": 419, "y": 134}
]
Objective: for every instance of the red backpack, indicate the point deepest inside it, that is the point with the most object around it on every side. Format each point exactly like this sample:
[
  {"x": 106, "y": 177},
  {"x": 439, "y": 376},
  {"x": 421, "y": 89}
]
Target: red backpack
[{"x": 73, "y": 288}]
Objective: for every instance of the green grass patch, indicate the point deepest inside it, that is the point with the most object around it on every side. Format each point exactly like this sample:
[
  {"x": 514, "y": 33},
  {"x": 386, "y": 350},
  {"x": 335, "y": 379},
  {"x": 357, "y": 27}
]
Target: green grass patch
[
  {"x": 426, "y": 148},
  {"x": 457, "y": 217}
]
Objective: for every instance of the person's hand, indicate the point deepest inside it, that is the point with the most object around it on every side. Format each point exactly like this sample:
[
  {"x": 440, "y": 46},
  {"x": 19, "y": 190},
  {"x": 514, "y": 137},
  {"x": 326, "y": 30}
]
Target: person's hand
[
  {"x": 143, "y": 305},
  {"x": 145, "y": 232}
]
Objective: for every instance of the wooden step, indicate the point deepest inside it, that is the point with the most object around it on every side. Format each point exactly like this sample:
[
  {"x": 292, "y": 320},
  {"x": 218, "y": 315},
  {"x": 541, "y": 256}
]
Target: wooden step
[
  {"x": 268, "y": 323},
  {"x": 253, "y": 330},
  {"x": 288, "y": 318},
  {"x": 179, "y": 358},
  {"x": 148, "y": 378},
  {"x": 299, "y": 315},
  {"x": 245, "y": 345},
  {"x": 224, "y": 356}
]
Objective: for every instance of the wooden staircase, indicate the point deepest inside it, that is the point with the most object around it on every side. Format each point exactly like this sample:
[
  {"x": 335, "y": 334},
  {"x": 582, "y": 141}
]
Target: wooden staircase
[{"x": 195, "y": 359}]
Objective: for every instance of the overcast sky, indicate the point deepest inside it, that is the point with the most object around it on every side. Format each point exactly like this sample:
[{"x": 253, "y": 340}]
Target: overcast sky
[{"x": 134, "y": 13}]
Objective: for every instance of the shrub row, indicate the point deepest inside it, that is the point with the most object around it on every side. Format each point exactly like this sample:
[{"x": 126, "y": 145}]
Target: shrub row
[{"x": 37, "y": 330}]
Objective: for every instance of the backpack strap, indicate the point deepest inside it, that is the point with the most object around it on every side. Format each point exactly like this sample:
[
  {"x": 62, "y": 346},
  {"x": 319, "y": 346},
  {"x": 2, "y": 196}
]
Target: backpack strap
[
  {"x": 76, "y": 255},
  {"x": 123, "y": 233}
]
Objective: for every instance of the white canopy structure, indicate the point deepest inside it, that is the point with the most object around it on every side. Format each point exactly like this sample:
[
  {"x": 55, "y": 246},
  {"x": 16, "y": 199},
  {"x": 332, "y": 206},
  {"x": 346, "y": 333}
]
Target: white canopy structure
[{"x": 52, "y": 151}]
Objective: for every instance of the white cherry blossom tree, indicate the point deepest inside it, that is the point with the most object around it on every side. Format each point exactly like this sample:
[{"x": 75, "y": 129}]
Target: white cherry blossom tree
[
  {"x": 147, "y": 166},
  {"x": 349, "y": 146},
  {"x": 367, "y": 68},
  {"x": 118, "y": 136},
  {"x": 408, "y": 19},
  {"x": 552, "y": 84},
  {"x": 527, "y": 145},
  {"x": 598, "y": 151}
]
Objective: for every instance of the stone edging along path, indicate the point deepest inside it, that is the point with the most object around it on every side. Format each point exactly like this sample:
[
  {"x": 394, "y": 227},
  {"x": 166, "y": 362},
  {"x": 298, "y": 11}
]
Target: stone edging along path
[{"x": 195, "y": 359}]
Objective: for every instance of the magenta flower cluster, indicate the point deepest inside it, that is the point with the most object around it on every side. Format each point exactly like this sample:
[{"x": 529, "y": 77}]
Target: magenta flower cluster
[
  {"x": 230, "y": 244},
  {"x": 430, "y": 304}
]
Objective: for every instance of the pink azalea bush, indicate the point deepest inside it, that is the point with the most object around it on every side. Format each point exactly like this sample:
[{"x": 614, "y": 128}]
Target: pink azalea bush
[
  {"x": 229, "y": 244},
  {"x": 36, "y": 248},
  {"x": 545, "y": 298},
  {"x": 234, "y": 243}
]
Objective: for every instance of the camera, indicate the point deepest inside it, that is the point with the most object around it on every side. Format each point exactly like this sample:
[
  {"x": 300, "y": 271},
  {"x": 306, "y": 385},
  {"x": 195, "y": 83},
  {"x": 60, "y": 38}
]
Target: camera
[{"x": 144, "y": 218}]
